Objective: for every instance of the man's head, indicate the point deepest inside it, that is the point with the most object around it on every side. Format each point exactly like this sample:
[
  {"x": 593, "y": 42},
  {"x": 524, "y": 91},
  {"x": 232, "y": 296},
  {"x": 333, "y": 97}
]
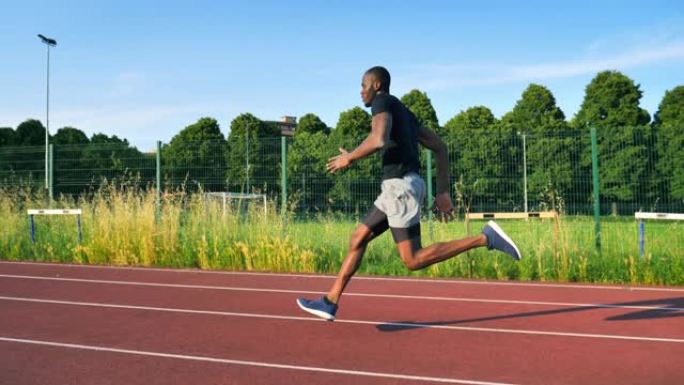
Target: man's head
[{"x": 376, "y": 79}]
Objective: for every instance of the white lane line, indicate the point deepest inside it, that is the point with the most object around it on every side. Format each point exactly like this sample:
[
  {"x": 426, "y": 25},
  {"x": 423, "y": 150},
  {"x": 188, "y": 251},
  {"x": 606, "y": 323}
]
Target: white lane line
[
  {"x": 406, "y": 377},
  {"x": 350, "y": 294},
  {"x": 389, "y": 325},
  {"x": 356, "y": 277}
]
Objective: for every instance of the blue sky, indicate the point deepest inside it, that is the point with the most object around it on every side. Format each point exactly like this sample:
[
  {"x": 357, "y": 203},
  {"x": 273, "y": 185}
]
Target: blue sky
[{"x": 144, "y": 70}]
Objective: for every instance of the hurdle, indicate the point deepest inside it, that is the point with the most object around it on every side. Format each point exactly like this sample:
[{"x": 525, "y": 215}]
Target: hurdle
[
  {"x": 641, "y": 216},
  {"x": 520, "y": 215},
  {"x": 514, "y": 215},
  {"x": 32, "y": 212}
]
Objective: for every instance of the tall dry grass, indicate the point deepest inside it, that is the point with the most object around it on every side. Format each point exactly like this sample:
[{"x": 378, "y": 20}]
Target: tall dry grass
[{"x": 122, "y": 225}]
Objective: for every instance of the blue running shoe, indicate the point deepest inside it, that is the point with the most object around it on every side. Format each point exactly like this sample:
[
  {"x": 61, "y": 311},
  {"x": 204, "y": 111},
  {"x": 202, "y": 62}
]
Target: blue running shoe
[
  {"x": 319, "y": 307},
  {"x": 498, "y": 240}
]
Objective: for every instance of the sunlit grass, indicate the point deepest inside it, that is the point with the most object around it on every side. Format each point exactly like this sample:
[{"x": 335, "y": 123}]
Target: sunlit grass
[{"x": 122, "y": 226}]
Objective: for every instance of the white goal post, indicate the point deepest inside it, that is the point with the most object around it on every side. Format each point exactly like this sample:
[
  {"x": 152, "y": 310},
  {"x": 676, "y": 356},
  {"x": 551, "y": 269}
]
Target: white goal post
[{"x": 226, "y": 197}]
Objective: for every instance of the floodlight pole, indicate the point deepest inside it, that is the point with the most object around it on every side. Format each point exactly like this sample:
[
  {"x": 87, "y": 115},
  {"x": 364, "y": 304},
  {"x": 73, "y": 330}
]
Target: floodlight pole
[{"x": 49, "y": 43}]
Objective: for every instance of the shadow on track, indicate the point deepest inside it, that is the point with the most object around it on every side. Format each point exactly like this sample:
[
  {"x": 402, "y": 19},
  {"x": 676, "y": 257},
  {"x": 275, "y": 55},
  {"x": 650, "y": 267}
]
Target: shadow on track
[{"x": 666, "y": 308}]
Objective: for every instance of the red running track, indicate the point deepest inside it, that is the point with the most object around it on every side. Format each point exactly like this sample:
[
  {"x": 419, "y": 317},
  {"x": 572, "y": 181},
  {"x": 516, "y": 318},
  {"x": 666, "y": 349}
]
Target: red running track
[{"x": 68, "y": 324}]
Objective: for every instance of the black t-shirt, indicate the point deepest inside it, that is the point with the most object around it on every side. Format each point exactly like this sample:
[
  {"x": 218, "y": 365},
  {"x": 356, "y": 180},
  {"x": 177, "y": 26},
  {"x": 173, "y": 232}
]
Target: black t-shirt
[{"x": 401, "y": 153}]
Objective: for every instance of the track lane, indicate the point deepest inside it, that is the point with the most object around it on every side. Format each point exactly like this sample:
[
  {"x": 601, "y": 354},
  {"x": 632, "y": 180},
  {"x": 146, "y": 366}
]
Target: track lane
[
  {"x": 462, "y": 354},
  {"x": 30, "y": 364},
  {"x": 516, "y": 291},
  {"x": 645, "y": 322},
  {"x": 467, "y": 354}
]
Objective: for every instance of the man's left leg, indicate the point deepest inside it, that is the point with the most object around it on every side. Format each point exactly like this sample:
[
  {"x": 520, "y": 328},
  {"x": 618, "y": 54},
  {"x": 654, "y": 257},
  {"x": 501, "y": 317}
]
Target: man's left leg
[{"x": 416, "y": 257}]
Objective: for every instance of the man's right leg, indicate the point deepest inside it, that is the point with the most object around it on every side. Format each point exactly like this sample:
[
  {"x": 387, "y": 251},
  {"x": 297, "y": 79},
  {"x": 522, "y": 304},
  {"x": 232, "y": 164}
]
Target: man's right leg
[
  {"x": 373, "y": 225},
  {"x": 357, "y": 247}
]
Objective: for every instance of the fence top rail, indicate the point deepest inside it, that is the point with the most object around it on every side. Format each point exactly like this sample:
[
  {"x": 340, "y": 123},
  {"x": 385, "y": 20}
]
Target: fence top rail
[
  {"x": 54, "y": 212},
  {"x": 668, "y": 216}
]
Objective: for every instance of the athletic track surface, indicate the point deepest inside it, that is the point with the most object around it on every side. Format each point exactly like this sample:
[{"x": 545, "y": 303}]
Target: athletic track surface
[{"x": 69, "y": 324}]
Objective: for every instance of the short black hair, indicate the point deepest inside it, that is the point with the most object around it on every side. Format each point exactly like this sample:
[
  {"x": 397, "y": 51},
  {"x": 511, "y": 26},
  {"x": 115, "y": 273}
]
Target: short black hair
[{"x": 382, "y": 75}]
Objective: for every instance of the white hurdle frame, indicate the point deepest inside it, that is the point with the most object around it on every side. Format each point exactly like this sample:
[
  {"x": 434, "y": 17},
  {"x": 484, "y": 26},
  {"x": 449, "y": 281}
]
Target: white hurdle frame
[
  {"x": 516, "y": 215},
  {"x": 32, "y": 212},
  {"x": 642, "y": 227}
]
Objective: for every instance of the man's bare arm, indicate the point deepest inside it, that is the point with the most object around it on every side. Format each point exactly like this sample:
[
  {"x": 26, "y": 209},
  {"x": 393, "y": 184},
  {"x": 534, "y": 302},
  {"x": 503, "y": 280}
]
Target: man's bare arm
[
  {"x": 377, "y": 139},
  {"x": 430, "y": 140}
]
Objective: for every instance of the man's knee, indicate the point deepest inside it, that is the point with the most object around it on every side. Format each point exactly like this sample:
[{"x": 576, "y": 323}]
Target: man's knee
[
  {"x": 409, "y": 251},
  {"x": 359, "y": 238},
  {"x": 412, "y": 264}
]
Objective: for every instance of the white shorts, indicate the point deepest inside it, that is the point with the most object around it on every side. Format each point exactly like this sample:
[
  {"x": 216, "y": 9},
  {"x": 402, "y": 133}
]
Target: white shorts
[{"x": 400, "y": 200}]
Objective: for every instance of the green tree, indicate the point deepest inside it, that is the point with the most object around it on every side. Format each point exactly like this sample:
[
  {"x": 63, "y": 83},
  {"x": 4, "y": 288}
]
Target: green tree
[
  {"x": 7, "y": 136},
  {"x": 29, "y": 163},
  {"x": 69, "y": 144},
  {"x": 419, "y": 103},
  {"x": 100, "y": 138},
  {"x": 253, "y": 155},
  {"x": 307, "y": 156},
  {"x": 549, "y": 145},
  {"x": 352, "y": 128},
  {"x": 353, "y": 124},
  {"x": 197, "y": 155},
  {"x": 30, "y": 133},
  {"x": 69, "y": 135},
  {"x": 7, "y": 141},
  {"x": 611, "y": 100},
  {"x": 476, "y": 158},
  {"x": 111, "y": 158},
  {"x": 355, "y": 188},
  {"x": 311, "y": 124},
  {"x": 611, "y": 104},
  {"x": 669, "y": 126}
]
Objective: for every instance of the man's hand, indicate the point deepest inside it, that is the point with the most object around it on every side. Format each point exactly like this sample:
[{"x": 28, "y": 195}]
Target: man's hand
[
  {"x": 339, "y": 162},
  {"x": 443, "y": 208}
]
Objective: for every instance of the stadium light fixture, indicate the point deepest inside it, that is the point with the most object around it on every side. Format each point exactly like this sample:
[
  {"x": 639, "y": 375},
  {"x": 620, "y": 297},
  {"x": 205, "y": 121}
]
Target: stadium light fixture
[{"x": 49, "y": 43}]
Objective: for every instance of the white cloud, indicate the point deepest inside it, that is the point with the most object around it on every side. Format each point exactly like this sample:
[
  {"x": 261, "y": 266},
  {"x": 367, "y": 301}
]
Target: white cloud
[
  {"x": 117, "y": 115},
  {"x": 582, "y": 67},
  {"x": 444, "y": 77}
]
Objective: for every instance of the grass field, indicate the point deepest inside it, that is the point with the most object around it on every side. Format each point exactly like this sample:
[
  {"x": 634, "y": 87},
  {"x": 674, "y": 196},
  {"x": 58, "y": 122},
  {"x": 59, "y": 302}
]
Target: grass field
[{"x": 121, "y": 227}]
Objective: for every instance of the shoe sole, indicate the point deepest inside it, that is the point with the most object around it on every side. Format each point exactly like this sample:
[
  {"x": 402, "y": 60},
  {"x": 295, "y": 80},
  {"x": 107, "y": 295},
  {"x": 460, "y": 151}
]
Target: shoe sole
[
  {"x": 317, "y": 313},
  {"x": 506, "y": 238}
]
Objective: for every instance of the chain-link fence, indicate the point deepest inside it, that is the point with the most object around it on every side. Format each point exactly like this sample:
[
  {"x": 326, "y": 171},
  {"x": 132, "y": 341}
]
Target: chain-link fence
[{"x": 490, "y": 172}]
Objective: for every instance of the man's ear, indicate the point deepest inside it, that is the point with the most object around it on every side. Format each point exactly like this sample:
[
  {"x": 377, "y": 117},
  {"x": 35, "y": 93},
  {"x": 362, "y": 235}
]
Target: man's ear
[{"x": 377, "y": 85}]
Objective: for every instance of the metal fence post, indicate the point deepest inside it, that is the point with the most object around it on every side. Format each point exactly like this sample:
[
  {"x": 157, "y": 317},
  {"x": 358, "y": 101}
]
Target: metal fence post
[
  {"x": 78, "y": 227},
  {"x": 247, "y": 158},
  {"x": 524, "y": 143},
  {"x": 158, "y": 180},
  {"x": 52, "y": 172},
  {"x": 642, "y": 230},
  {"x": 430, "y": 198},
  {"x": 595, "y": 178},
  {"x": 33, "y": 229},
  {"x": 283, "y": 174}
]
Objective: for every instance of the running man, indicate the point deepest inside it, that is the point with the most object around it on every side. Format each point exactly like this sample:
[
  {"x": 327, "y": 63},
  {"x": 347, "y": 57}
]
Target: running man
[{"x": 396, "y": 131}]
